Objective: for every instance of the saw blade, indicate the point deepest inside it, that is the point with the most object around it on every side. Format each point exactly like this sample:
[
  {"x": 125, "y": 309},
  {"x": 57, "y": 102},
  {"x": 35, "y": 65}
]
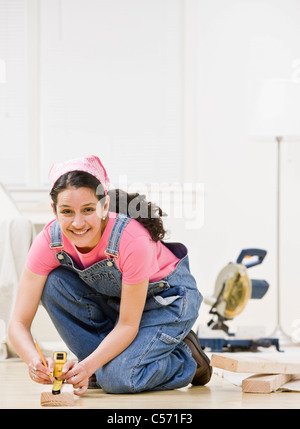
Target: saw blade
[{"x": 233, "y": 289}]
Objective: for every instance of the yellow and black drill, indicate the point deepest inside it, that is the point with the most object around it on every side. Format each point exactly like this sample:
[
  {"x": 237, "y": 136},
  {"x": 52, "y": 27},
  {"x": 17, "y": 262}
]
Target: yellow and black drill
[{"x": 60, "y": 359}]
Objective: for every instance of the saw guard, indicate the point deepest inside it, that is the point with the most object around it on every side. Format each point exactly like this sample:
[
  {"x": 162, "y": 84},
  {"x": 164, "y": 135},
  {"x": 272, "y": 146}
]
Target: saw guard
[{"x": 232, "y": 291}]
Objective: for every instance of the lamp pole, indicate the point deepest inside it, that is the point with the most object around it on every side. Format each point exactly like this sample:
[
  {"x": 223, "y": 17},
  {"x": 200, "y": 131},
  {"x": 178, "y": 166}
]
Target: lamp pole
[{"x": 283, "y": 338}]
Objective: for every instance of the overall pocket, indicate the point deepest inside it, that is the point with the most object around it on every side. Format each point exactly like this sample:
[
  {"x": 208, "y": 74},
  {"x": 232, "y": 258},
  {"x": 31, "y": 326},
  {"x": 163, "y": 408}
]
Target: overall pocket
[
  {"x": 170, "y": 304},
  {"x": 103, "y": 283}
]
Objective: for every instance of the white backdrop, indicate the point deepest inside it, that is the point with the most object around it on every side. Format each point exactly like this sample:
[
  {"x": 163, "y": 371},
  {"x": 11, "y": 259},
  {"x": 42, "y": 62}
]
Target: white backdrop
[{"x": 163, "y": 91}]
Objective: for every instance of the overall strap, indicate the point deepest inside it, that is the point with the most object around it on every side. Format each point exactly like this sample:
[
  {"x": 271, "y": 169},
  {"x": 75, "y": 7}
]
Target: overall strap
[
  {"x": 55, "y": 236},
  {"x": 115, "y": 236},
  {"x": 113, "y": 243}
]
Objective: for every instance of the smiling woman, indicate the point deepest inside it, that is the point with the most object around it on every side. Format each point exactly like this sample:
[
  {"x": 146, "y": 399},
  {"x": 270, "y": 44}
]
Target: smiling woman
[
  {"x": 78, "y": 216},
  {"x": 123, "y": 300}
]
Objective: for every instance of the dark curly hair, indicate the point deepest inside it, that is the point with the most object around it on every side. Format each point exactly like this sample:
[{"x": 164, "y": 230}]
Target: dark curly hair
[{"x": 133, "y": 204}]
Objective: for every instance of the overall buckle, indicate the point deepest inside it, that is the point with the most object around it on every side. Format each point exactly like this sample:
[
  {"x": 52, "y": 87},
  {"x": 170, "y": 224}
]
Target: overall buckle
[
  {"x": 112, "y": 255},
  {"x": 56, "y": 246}
]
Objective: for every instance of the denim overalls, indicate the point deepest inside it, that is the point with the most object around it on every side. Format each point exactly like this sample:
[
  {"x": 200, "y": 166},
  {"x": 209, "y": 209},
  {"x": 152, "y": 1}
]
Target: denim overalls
[{"x": 84, "y": 307}]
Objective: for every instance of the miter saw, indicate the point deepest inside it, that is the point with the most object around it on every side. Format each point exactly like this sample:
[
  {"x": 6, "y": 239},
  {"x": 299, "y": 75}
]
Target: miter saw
[{"x": 233, "y": 289}]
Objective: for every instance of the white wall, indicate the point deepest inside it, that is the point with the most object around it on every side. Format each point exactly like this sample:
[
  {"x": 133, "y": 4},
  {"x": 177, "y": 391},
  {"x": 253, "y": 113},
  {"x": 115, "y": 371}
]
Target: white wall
[
  {"x": 241, "y": 43},
  {"x": 220, "y": 52}
]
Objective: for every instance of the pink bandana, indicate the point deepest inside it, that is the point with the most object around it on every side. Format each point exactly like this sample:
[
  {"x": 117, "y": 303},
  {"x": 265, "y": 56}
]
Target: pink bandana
[{"x": 90, "y": 164}]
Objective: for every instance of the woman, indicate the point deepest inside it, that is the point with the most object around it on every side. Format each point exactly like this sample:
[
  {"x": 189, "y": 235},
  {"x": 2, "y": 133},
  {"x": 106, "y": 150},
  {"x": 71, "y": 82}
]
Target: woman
[{"x": 122, "y": 300}]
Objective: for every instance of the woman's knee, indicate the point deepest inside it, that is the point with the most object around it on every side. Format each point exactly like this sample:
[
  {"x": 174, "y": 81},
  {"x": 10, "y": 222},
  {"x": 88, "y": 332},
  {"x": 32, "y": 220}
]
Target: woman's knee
[
  {"x": 61, "y": 283},
  {"x": 117, "y": 376},
  {"x": 112, "y": 380},
  {"x": 50, "y": 285}
]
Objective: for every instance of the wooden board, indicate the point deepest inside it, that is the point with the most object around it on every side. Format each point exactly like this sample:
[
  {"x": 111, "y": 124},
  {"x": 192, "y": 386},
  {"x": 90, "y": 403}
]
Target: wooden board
[
  {"x": 278, "y": 364},
  {"x": 264, "y": 383},
  {"x": 64, "y": 399}
]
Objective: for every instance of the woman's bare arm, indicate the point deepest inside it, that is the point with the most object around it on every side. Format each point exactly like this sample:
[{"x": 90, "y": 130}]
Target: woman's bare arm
[{"x": 19, "y": 330}]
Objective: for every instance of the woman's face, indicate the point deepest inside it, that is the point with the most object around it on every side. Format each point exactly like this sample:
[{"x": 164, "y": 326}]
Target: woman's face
[{"x": 79, "y": 214}]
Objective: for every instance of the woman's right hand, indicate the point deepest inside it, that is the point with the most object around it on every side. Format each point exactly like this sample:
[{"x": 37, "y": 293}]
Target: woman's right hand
[{"x": 39, "y": 373}]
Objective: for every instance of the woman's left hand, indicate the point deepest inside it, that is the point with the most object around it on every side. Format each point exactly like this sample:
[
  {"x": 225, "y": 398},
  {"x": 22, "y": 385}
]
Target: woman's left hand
[{"x": 76, "y": 374}]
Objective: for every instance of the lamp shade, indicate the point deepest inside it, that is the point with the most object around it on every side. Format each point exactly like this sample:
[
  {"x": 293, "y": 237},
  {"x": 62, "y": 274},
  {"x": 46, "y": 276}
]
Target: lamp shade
[{"x": 277, "y": 111}]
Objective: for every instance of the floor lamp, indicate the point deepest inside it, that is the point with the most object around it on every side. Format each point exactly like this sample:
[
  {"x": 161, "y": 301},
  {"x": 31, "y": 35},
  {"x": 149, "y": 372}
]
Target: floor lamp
[{"x": 276, "y": 118}]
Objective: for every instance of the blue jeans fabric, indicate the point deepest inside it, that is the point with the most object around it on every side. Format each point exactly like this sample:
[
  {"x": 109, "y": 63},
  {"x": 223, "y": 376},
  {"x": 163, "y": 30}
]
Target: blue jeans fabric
[{"x": 84, "y": 307}]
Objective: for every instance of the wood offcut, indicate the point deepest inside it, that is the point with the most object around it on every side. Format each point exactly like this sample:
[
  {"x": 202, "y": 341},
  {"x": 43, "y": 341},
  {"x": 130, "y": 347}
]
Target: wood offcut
[
  {"x": 64, "y": 399},
  {"x": 256, "y": 365},
  {"x": 270, "y": 373}
]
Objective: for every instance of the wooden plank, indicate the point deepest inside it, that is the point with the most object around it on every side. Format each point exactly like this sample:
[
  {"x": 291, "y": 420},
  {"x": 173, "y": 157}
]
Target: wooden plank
[
  {"x": 256, "y": 365},
  {"x": 264, "y": 383},
  {"x": 64, "y": 399}
]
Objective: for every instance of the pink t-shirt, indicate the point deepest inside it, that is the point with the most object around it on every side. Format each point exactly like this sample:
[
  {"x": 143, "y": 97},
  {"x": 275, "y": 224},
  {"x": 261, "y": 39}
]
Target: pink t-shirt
[{"x": 140, "y": 258}]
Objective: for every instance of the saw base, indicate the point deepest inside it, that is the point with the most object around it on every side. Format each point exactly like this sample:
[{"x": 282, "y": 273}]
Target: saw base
[{"x": 235, "y": 344}]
